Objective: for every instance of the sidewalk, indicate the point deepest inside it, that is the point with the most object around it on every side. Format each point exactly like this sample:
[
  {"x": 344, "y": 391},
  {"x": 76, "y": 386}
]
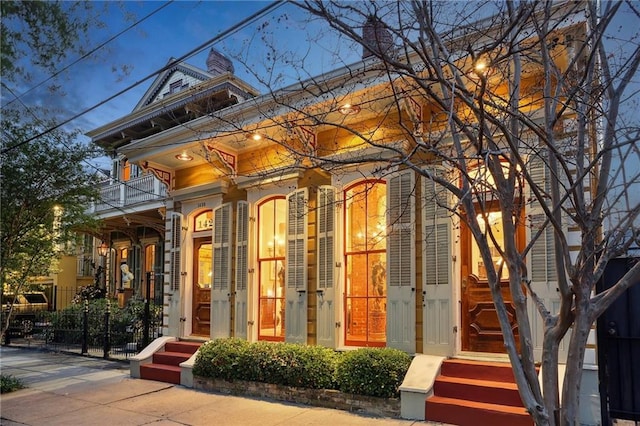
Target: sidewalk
[{"x": 69, "y": 389}]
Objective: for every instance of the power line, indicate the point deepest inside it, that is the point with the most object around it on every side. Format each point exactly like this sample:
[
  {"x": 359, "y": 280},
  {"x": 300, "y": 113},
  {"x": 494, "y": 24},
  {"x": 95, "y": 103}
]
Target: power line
[
  {"x": 171, "y": 64},
  {"x": 86, "y": 55}
]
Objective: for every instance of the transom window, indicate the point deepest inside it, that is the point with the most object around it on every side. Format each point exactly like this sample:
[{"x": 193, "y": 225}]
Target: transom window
[{"x": 365, "y": 260}]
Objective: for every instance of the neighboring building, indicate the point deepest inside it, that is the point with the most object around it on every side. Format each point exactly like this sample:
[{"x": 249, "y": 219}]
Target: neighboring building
[
  {"x": 133, "y": 203},
  {"x": 253, "y": 243}
]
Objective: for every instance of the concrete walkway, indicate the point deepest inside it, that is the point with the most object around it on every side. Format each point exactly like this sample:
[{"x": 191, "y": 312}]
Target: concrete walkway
[{"x": 67, "y": 389}]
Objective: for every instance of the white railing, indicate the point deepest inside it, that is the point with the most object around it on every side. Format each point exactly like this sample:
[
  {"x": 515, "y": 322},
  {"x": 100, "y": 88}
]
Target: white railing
[{"x": 133, "y": 191}]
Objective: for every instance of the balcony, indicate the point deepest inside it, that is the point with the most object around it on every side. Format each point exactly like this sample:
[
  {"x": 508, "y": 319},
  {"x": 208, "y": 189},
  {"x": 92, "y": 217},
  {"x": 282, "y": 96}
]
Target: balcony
[{"x": 138, "y": 190}]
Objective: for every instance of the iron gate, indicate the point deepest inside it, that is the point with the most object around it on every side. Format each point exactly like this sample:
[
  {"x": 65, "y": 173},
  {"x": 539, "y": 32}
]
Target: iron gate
[{"x": 618, "y": 334}]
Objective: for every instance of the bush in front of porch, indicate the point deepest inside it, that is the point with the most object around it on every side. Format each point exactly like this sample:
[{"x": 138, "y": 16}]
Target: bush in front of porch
[{"x": 366, "y": 371}]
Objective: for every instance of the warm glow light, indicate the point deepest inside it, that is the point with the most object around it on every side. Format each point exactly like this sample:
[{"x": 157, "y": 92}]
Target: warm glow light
[
  {"x": 184, "y": 157},
  {"x": 348, "y": 109},
  {"x": 480, "y": 66},
  {"x": 254, "y": 136},
  {"x": 103, "y": 249}
]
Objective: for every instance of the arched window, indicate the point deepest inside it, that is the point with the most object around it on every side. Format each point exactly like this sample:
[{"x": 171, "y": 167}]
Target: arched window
[
  {"x": 272, "y": 214},
  {"x": 366, "y": 261}
]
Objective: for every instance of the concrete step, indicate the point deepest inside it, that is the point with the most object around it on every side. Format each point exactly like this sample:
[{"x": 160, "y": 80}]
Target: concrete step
[
  {"x": 478, "y": 390},
  {"x": 161, "y": 373},
  {"x": 482, "y": 370},
  {"x": 472, "y": 413},
  {"x": 182, "y": 346},
  {"x": 170, "y": 358}
]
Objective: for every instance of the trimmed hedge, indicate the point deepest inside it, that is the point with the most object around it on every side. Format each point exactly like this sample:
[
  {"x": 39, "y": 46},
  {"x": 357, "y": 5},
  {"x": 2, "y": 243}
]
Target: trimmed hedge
[
  {"x": 372, "y": 371},
  {"x": 368, "y": 371}
]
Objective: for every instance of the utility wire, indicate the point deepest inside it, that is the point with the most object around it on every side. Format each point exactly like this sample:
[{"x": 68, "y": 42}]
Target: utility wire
[
  {"x": 88, "y": 53},
  {"x": 137, "y": 83},
  {"x": 93, "y": 166}
]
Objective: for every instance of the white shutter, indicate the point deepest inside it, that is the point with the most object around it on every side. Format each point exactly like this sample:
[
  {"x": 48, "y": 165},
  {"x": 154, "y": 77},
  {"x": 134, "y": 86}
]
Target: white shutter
[
  {"x": 325, "y": 327},
  {"x": 242, "y": 269},
  {"x": 296, "y": 268},
  {"x": 220, "y": 292},
  {"x": 401, "y": 286},
  {"x": 437, "y": 282},
  {"x": 176, "y": 236},
  {"x": 542, "y": 269}
]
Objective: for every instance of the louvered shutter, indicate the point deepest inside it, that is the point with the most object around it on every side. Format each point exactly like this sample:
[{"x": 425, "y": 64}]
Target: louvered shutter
[
  {"x": 326, "y": 330},
  {"x": 296, "y": 268},
  {"x": 437, "y": 327},
  {"x": 176, "y": 236},
  {"x": 542, "y": 269},
  {"x": 401, "y": 287},
  {"x": 242, "y": 269},
  {"x": 220, "y": 292}
]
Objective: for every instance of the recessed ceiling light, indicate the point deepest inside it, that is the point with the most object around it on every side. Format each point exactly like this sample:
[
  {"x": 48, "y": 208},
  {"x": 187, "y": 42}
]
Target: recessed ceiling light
[
  {"x": 254, "y": 136},
  {"x": 348, "y": 109},
  {"x": 184, "y": 157}
]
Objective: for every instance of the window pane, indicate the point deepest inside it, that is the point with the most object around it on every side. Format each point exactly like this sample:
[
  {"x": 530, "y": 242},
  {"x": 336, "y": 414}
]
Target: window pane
[
  {"x": 478, "y": 267},
  {"x": 365, "y": 259},
  {"x": 271, "y": 257},
  {"x": 204, "y": 266},
  {"x": 376, "y": 217}
]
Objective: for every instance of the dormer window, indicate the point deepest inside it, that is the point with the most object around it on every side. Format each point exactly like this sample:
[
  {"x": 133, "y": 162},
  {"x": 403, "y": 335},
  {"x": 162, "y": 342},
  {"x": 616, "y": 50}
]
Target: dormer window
[{"x": 175, "y": 87}]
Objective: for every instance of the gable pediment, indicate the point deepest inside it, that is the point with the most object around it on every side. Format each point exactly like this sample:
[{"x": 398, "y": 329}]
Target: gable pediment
[{"x": 176, "y": 77}]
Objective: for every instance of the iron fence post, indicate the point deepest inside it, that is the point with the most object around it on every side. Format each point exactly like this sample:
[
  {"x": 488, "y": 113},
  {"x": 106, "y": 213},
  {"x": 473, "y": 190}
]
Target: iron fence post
[
  {"x": 145, "y": 324},
  {"x": 107, "y": 330},
  {"x": 85, "y": 328}
]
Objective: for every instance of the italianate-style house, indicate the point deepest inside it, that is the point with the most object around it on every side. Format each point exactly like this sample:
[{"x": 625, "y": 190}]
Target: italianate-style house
[{"x": 253, "y": 220}]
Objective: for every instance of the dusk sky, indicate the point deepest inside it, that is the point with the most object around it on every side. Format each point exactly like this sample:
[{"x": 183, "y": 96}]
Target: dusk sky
[
  {"x": 171, "y": 32},
  {"x": 180, "y": 27}
]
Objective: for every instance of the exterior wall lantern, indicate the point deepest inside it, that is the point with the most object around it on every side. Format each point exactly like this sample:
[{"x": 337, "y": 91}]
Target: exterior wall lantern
[{"x": 103, "y": 249}]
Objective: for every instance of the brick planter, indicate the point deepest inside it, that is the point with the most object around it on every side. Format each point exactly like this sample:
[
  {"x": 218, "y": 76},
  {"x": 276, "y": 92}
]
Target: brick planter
[{"x": 327, "y": 398}]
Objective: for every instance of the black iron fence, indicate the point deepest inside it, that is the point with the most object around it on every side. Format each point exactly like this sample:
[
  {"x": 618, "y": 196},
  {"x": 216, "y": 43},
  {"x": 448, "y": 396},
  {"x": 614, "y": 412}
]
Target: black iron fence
[{"x": 97, "y": 328}]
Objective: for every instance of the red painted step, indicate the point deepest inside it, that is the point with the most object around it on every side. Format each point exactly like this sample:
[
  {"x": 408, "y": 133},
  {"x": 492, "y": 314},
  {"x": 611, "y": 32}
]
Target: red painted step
[
  {"x": 470, "y": 413},
  {"x": 476, "y": 393},
  {"x": 478, "y": 390},
  {"x": 165, "y": 366},
  {"x": 161, "y": 373},
  {"x": 483, "y": 370}
]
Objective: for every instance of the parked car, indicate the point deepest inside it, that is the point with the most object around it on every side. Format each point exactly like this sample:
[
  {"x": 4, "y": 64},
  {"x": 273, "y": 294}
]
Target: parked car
[{"x": 26, "y": 307}]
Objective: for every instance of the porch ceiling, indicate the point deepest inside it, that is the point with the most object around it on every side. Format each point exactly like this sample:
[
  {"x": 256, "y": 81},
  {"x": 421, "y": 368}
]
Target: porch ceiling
[{"x": 129, "y": 224}]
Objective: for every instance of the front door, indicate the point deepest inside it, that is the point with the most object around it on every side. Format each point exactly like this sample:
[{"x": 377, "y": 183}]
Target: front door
[
  {"x": 202, "y": 277},
  {"x": 480, "y": 326}
]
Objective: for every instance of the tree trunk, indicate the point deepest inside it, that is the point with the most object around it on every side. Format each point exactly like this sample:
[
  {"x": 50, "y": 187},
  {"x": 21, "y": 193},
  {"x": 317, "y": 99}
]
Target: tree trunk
[
  {"x": 569, "y": 412},
  {"x": 550, "y": 386}
]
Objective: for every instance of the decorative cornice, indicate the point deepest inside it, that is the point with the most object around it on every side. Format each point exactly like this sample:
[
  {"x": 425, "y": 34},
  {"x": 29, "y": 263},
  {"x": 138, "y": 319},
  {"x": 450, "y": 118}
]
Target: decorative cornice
[
  {"x": 228, "y": 159},
  {"x": 163, "y": 176}
]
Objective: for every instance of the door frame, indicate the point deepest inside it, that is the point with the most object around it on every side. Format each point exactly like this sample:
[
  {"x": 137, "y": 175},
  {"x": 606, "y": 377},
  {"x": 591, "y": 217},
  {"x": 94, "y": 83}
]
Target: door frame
[
  {"x": 465, "y": 268},
  {"x": 197, "y": 243}
]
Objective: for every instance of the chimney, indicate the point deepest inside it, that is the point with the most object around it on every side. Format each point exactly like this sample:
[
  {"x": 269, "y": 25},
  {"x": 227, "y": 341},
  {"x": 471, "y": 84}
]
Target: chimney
[
  {"x": 376, "y": 37},
  {"x": 218, "y": 64}
]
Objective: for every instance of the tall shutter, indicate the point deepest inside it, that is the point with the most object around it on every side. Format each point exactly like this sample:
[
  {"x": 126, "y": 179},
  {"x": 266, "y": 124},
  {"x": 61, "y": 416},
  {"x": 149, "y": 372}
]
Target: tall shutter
[
  {"x": 296, "y": 268},
  {"x": 542, "y": 269},
  {"x": 242, "y": 269},
  {"x": 437, "y": 289},
  {"x": 176, "y": 236},
  {"x": 326, "y": 330},
  {"x": 401, "y": 286},
  {"x": 220, "y": 292}
]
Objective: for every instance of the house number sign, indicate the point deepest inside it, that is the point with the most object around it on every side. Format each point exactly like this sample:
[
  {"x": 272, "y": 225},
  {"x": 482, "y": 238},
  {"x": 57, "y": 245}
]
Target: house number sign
[{"x": 204, "y": 221}]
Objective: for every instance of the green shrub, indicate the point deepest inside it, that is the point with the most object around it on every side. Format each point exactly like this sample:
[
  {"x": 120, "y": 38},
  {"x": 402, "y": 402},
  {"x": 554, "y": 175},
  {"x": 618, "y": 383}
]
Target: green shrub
[
  {"x": 369, "y": 371},
  {"x": 220, "y": 358},
  {"x": 372, "y": 371},
  {"x": 9, "y": 383},
  {"x": 279, "y": 363}
]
